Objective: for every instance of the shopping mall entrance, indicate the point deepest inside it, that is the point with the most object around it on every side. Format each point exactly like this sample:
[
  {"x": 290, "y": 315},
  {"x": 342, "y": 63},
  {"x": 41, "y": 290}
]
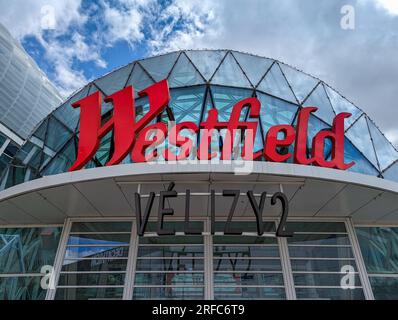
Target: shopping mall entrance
[{"x": 106, "y": 259}]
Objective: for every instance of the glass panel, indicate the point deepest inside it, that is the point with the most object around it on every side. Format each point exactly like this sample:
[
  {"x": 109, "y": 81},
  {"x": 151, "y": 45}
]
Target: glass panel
[
  {"x": 69, "y": 115},
  {"x": 230, "y": 74},
  {"x": 245, "y": 251},
  {"x": 224, "y": 100},
  {"x": 190, "y": 293},
  {"x": 27, "y": 250},
  {"x": 392, "y": 172},
  {"x": 362, "y": 165},
  {"x": 95, "y": 265},
  {"x": 322, "y": 279},
  {"x": 169, "y": 279},
  {"x": 139, "y": 79},
  {"x": 386, "y": 153},
  {"x": 234, "y": 264},
  {"x": 276, "y": 85},
  {"x": 384, "y": 288},
  {"x": 186, "y": 104},
  {"x": 88, "y": 293},
  {"x": 275, "y": 111},
  {"x": 91, "y": 279},
  {"x": 311, "y": 227},
  {"x": 321, "y": 265},
  {"x": 172, "y": 240},
  {"x": 254, "y": 67},
  {"x": 301, "y": 83},
  {"x": 101, "y": 227},
  {"x": 319, "y": 99},
  {"x": 99, "y": 239},
  {"x": 360, "y": 137},
  {"x": 114, "y": 81},
  {"x": 171, "y": 251},
  {"x": 341, "y": 104},
  {"x": 379, "y": 247},
  {"x": 329, "y": 294},
  {"x": 320, "y": 239},
  {"x": 184, "y": 74},
  {"x": 248, "y": 279},
  {"x": 21, "y": 288},
  {"x": 206, "y": 61},
  {"x": 96, "y": 252},
  {"x": 249, "y": 293},
  {"x": 320, "y": 252},
  {"x": 170, "y": 264},
  {"x": 55, "y": 141},
  {"x": 160, "y": 66},
  {"x": 62, "y": 161}
]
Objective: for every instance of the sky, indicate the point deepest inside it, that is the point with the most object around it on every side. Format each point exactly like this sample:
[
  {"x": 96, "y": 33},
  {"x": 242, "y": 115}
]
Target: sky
[{"x": 350, "y": 44}]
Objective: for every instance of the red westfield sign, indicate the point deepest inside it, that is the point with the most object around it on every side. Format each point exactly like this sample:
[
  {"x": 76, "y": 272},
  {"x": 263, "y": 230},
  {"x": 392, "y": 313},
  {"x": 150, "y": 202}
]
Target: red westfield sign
[{"x": 136, "y": 137}]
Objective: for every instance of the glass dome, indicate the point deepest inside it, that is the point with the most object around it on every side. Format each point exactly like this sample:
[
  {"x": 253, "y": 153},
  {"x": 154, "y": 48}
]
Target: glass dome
[{"x": 199, "y": 80}]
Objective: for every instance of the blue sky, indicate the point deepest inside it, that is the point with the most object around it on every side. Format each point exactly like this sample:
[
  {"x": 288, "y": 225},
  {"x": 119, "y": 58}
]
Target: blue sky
[{"x": 76, "y": 41}]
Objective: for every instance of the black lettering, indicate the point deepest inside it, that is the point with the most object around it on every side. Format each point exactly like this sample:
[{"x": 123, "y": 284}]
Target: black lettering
[
  {"x": 281, "y": 231},
  {"x": 228, "y": 229},
  {"x": 162, "y": 211},
  {"x": 141, "y": 225},
  {"x": 258, "y": 210}
]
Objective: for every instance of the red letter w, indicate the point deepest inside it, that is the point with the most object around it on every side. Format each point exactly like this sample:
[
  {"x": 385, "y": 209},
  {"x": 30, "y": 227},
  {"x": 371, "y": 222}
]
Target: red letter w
[{"x": 123, "y": 121}]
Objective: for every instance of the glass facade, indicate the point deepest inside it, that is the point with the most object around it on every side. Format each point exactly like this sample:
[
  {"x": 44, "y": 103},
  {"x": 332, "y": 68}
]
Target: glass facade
[
  {"x": 26, "y": 95},
  {"x": 23, "y": 253},
  {"x": 107, "y": 260},
  {"x": 199, "y": 81}
]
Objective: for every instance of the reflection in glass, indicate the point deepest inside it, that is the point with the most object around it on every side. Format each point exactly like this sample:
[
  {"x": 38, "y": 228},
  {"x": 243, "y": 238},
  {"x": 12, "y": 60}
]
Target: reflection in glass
[
  {"x": 21, "y": 288},
  {"x": 95, "y": 265},
  {"x": 248, "y": 279},
  {"x": 384, "y": 288},
  {"x": 249, "y": 293},
  {"x": 91, "y": 279},
  {"x": 169, "y": 264},
  {"x": 190, "y": 293},
  {"x": 26, "y": 250},
  {"x": 329, "y": 294},
  {"x": 169, "y": 279},
  {"x": 88, "y": 293}
]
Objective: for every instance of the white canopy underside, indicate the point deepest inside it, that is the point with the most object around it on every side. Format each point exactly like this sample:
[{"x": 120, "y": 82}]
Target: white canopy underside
[{"x": 109, "y": 192}]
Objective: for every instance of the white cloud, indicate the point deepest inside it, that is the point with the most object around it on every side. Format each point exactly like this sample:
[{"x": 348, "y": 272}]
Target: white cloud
[
  {"x": 28, "y": 18},
  {"x": 391, "y": 6}
]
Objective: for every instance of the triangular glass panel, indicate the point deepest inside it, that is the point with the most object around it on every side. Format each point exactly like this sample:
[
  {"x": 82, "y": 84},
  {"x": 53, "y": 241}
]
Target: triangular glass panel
[
  {"x": 159, "y": 67},
  {"x": 362, "y": 165},
  {"x": 114, "y": 81},
  {"x": 275, "y": 111},
  {"x": 184, "y": 74},
  {"x": 386, "y": 153},
  {"x": 186, "y": 104},
  {"x": 69, "y": 115},
  {"x": 276, "y": 85},
  {"x": 254, "y": 67},
  {"x": 103, "y": 152},
  {"x": 230, "y": 74},
  {"x": 225, "y": 99},
  {"x": 206, "y": 61},
  {"x": 139, "y": 79},
  {"x": 319, "y": 99},
  {"x": 62, "y": 161},
  {"x": 360, "y": 138},
  {"x": 301, "y": 83},
  {"x": 392, "y": 172},
  {"x": 40, "y": 132},
  {"x": 341, "y": 104},
  {"x": 57, "y": 135}
]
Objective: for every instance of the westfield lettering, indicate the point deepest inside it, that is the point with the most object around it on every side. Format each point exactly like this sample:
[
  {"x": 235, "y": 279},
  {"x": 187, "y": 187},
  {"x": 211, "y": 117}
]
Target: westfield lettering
[{"x": 138, "y": 137}]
